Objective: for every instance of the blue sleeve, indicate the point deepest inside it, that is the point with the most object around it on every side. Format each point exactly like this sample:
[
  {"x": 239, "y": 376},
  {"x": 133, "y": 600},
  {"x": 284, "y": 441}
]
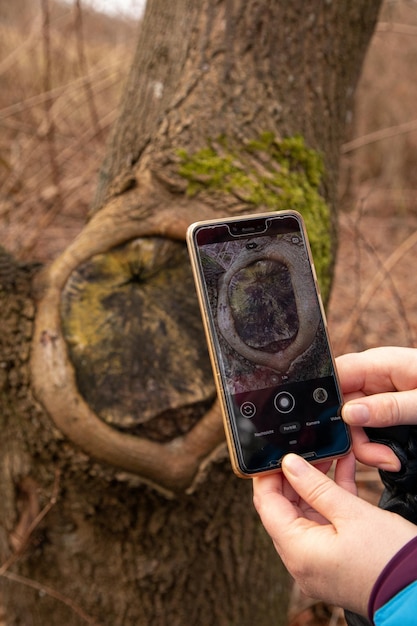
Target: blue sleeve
[
  {"x": 401, "y": 610},
  {"x": 393, "y": 600}
]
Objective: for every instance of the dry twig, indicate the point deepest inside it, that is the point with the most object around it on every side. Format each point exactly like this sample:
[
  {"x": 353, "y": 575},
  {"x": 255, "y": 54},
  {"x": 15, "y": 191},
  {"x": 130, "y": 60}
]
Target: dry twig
[{"x": 28, "y": 582}]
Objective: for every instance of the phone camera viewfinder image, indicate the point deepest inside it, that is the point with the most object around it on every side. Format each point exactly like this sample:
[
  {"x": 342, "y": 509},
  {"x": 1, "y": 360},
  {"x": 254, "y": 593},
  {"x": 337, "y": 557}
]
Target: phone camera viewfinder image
[{"x": 268, "y": 340}]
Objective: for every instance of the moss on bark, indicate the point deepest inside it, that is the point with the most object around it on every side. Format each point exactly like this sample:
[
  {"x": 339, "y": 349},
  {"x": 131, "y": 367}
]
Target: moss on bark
[{"x": 268, "y": 173}]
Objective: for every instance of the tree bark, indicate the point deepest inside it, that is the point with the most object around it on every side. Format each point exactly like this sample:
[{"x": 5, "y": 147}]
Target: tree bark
[
  {"x": 206, "y": 69},
  {"x": 119, "y": 505}
]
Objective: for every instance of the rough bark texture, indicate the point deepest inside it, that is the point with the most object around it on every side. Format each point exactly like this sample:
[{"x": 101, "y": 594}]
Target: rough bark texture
[
  {"x": 118, "y": 503},
  {"x": 239, "y": 69},
  {"x": 112, "y": 551}
]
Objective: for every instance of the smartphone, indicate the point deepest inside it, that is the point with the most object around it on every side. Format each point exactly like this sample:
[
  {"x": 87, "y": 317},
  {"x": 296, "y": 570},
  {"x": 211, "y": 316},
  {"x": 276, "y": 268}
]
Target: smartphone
[{"x": 268, "y": 340}]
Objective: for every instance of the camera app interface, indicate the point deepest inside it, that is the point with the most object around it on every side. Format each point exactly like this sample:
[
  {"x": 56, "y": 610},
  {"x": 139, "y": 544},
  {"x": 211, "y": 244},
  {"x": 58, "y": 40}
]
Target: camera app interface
[{"x": 274, "y": 356}]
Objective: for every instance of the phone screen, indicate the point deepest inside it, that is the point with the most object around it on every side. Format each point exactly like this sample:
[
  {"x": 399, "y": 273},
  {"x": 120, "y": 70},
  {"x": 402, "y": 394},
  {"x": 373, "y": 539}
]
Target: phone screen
[{"x": 269, "y": 341}]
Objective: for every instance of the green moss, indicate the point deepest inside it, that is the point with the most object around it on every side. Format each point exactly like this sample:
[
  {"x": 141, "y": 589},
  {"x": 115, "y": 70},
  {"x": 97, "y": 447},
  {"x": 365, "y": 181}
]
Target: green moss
[{"x": 267, "y": 174}]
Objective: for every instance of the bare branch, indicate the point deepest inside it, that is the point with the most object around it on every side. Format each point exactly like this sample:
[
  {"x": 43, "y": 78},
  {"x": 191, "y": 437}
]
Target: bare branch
[
  {"x": 23, "y": 542},
  {"x": 379, "y": 135},
  {"x": 53, "y": 593},
  {"x": 50, "y": 123},
  {"x": 84, "y": 68},
  {"x": 369, "y": 292}
]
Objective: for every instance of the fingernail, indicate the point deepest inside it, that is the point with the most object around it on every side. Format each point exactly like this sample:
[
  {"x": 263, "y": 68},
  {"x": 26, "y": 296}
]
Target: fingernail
[
  {"x": 294, "y": 464},
  {"x": 390, "y": 467},
  {"x": 357, "y": 414},
  {"x": 392, "y": 464}
]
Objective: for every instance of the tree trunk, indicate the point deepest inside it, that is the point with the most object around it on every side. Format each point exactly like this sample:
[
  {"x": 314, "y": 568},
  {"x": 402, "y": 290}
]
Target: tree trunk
[{"x": 119, "y": 505}]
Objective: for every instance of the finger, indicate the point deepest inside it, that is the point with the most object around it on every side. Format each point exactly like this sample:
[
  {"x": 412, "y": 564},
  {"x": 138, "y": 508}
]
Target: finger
[
  {"x": 272, "y": 486},
  {"x": 320, "y": 492},
  {"x": 378, "y": 370},
  {"x": 274, "y": 497},
  {"x": 344, "y": 474},
  {"x": 353, "y": 395},
  {"x": 373, "y": 454},
  {"x": 324, "y": 466},
  {"x": 382, "y": 410}
]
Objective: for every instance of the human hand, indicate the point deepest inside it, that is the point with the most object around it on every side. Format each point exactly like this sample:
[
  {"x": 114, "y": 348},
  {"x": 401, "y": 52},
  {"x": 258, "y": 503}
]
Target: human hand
[
  {"x": 333, "y": 543},
  {"x": 380, "y": 386}
]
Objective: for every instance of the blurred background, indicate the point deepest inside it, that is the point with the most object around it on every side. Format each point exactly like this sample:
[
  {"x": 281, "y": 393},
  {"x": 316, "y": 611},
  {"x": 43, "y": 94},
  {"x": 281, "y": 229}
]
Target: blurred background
[
  {"x": 119, "y": 8},
  {"x": 374, "y": 300}
]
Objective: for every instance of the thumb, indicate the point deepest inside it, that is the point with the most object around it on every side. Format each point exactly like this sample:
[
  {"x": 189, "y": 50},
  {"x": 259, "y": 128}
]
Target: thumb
[
  {"x": 382, "y": 410},
  {"x": 319, "y": 491}
]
